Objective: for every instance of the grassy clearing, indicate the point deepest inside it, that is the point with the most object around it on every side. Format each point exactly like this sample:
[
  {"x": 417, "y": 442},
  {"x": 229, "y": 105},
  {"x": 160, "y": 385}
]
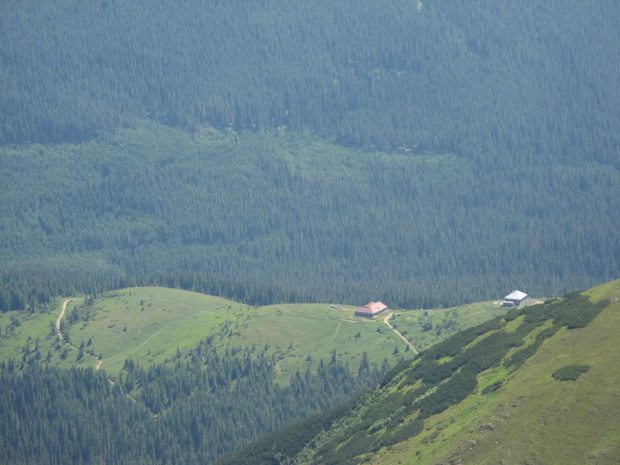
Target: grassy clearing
[
  {"x": 303, "y": 334},
  {"x": 151, "y": 324},
  {"x": 19, "y": 330},
  {"x": 425, "y": 328}
]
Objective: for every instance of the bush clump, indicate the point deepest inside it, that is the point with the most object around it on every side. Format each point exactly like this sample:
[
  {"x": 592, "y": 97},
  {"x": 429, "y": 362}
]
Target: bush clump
[
  {"x": 570, "y": 372},
  {"x": 492, "y": 388}
]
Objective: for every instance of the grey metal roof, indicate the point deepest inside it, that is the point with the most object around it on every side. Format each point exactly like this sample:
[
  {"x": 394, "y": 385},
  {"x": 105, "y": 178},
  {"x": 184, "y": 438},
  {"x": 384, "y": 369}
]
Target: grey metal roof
[{"x": 516, "y": 295}]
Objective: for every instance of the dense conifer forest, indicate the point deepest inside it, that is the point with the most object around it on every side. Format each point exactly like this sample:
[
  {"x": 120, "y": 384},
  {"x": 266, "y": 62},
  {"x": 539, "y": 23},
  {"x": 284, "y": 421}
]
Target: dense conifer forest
[
  {"x": 479, "y": 78},
  {"x": 270, "y": 219},
  {"x": 428, "y": 153},
  {"x": 202, "y": 407}
]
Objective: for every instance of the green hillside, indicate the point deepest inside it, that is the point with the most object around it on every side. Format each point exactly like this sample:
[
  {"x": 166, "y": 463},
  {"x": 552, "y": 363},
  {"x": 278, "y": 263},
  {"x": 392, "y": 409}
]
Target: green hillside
[
  {"x": 149, "y": 326},
  {"x": 191, "y": 365},
  {"x": 538, "y": 386},
  {"x": 179, "y": 355}
]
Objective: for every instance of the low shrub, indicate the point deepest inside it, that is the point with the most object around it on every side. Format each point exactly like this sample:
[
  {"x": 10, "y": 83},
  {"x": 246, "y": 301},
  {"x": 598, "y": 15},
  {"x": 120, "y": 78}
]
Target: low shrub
[{"x": 570, "y": 372}]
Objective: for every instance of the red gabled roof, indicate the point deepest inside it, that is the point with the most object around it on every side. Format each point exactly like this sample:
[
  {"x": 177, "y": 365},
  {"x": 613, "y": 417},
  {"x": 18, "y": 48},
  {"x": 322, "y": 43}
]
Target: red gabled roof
[{"x": 372, "y": 308}]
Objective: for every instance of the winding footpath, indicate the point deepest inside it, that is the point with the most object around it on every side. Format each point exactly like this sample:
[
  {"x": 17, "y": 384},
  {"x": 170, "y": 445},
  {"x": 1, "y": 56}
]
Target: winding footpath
[
  {"x": 62, "y": 338},
  {"x": 386, "y": 320}
]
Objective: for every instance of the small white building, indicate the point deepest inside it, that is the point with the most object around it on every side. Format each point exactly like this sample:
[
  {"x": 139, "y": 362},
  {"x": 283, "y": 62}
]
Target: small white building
[{"x": 516, "y": 297}]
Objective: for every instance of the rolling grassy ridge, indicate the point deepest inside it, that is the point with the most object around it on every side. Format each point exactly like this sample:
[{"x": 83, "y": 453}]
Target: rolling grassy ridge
[{"x": 148, "y": 325}]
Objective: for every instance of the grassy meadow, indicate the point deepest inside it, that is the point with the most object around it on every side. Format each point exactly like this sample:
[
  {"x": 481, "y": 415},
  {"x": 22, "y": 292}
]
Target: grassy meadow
[
  {"x": 425, "y": 328},
  {"x": 150, "y": 325}
]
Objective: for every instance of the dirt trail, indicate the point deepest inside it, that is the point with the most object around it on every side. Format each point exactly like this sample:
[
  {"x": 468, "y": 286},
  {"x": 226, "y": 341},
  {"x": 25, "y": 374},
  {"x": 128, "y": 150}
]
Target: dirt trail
[
  {"x": 62, "y": 314},
  {"x": 386, "y": 320},
  {"x": 62, "y": 338}
]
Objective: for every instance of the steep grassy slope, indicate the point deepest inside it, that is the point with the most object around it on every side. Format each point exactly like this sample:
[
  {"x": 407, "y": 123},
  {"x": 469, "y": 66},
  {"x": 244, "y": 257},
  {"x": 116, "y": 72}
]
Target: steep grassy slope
[
  {"x": 533, "y": 418},
  {"x": 486, "y": 395}
]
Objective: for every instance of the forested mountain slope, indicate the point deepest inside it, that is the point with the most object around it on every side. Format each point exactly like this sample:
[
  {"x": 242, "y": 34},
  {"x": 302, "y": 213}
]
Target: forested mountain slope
[
  {"x": 203, "y": 405},
  {"x": 538, "y": 385},
  {"x": 480, "y": 78},
  {"x": 423, "y": 153},
  {"x": 266, "y": 219}
]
